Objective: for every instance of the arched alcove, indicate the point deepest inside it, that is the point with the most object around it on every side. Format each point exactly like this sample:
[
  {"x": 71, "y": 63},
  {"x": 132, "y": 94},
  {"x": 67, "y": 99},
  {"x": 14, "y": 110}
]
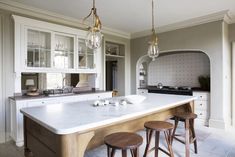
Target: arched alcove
[{"x": 174, "y": 68}]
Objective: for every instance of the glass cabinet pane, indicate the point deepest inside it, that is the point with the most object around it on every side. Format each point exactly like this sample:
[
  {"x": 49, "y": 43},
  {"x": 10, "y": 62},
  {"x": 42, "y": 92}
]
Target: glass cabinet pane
[
  {"x": 38, "y": 48},
  {"x": 63, "y": 52},
  {"x": 85, "y": 55},
  {"x": 90, "y": 58}
]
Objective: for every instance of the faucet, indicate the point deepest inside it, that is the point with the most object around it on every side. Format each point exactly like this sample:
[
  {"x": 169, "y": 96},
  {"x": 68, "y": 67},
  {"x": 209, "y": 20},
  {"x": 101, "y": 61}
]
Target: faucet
[
  {"x": 64, "y": 85},
  {"x": 66, "y": 88}
]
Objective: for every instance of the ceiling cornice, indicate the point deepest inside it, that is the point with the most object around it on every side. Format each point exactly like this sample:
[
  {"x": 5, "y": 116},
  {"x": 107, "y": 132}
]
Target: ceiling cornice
[
  {"x": 222, "y": 15},
  {"x": 29, "y": 11}
]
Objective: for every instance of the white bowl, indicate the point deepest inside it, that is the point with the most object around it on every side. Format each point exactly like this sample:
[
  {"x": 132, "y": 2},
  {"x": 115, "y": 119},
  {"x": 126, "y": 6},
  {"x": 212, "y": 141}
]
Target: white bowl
[{"x": 135, "y": 99}]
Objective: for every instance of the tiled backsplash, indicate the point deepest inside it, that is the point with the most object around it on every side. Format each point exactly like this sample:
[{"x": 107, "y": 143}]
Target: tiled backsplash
[{"x": 179, "y": 69}]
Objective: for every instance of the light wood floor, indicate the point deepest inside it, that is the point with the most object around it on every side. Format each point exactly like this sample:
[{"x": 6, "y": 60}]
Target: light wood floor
[{"x": 211, "y": 143}]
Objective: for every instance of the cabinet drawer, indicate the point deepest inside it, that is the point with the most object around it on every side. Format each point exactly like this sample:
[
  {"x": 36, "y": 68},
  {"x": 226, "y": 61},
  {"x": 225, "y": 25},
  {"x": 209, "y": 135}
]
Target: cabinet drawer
[
  {"x": 41, "y": 103},
  {"x": 201, "y": 114},
  {"x": 201, "y": 95},
  {"x": 201, "y": 105},
  {"x": 142, "y": 91}
]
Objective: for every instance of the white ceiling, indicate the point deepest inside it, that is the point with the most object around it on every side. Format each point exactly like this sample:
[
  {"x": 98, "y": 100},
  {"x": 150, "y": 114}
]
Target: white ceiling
[{"x": 133, "y": 16}]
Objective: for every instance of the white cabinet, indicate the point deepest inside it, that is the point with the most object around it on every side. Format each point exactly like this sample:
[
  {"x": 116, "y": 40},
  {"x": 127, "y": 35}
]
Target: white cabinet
[
  {"x": 17, "y": 117},
  {"x": 46, "y": 47},
  {"x": 142, "y": 91},
  {"x": 201, "y": 106}
]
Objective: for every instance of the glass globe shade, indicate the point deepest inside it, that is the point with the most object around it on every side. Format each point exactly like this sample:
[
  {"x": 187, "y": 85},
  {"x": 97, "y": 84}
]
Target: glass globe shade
[
  {"x": 153, "y": 51},
  {"x": 94, "y": 39}
]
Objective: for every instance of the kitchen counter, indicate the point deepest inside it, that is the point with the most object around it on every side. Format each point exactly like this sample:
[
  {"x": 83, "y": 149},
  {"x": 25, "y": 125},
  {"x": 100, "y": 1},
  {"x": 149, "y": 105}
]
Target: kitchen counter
[
  {"x": 74, "y": 128},
  {"x": 25, "y": 97},
  {"x": 76, "y": 117}
]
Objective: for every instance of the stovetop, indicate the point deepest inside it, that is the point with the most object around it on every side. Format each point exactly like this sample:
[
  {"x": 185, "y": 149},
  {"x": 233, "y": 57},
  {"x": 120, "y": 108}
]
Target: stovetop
[{"x": 182, "y": 90}]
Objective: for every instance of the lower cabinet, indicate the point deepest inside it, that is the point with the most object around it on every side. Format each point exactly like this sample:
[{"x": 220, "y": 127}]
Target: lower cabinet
[
  {"x": 17, "y": 131},
  {"x": 142, "y": 91},
  {"x": 201, "y": 105}
]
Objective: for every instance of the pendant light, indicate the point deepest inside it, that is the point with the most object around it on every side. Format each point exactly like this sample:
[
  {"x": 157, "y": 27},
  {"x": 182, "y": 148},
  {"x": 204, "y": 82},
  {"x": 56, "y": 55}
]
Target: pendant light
[
  {"x": 94, "y": 36},
  {"x": 153, "y": 50}
]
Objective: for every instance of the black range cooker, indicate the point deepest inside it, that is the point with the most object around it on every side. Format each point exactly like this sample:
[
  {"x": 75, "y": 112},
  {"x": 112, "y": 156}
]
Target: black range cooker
[{"x": 183, "y": 90}]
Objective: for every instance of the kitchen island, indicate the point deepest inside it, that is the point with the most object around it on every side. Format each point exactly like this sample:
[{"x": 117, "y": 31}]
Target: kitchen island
[{"x": 67, "y": 130}]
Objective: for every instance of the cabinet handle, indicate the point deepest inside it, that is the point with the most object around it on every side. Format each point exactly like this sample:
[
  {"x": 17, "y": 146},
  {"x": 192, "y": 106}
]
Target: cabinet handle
[
  {"x": 43, "y": 102},
  {"x": 200, "y": 113},
  {"x": 201, "y": 104}
]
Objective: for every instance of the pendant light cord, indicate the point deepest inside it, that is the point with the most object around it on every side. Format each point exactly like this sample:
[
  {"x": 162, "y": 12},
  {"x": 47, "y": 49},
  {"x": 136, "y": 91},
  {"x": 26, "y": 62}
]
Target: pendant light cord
[{"x": 153, "y": 16}]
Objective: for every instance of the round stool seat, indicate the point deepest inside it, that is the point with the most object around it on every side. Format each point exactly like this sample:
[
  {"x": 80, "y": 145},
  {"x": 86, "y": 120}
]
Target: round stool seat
[
  {"x": 158, "y": 125},
  {"x": 186, "y": 115},
  {"x": 123, "y": 140}
]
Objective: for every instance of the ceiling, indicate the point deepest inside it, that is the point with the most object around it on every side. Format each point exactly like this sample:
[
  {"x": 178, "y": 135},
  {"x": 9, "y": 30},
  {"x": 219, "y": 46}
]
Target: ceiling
[{"x": 133, "y": 16}]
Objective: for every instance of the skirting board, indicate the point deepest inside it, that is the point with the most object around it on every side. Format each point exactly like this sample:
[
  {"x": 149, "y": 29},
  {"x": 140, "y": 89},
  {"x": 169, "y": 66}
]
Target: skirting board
[
  {"x": 2, "y": 137},
  {"x": 216, "y": 124}
]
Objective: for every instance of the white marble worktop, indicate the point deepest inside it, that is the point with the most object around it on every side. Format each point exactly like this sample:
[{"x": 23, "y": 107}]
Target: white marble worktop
[{"x": 81, "y": 116}]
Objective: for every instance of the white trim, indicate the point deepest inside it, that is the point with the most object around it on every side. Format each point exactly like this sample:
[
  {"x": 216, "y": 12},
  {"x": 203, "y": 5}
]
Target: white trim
[
  {"x": 2, "y": 104},
  {"x": 19, "y": 8},
  {"x": 217, "y": 124},
  {"x": 233, "y": 84},
  {"x": 222, "y": 15}
]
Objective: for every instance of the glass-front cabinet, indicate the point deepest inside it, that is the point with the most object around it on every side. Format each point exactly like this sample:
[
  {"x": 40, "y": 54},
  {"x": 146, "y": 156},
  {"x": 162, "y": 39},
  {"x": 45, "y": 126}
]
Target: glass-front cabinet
[
  {"x": 64, "y": 51},
  {"x": 47, "y": 50},
  {"x": 85, "y": 55},
  {"x": 38, "y": 48}
]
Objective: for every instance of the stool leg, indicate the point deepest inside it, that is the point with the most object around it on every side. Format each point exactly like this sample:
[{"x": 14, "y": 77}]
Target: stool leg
[
  {"x": 169, "y": 142},
  {"x": 137, "y": 152},
  {"x": 108, "y": 151},
  {"x": 132, "y": 152},
  {"x": 148, "y": 139},
  {"x": 187, "y": 144},
  {"x": 113, "y": 152},
  {"x": 124, "y": 153},
  {"x": 194, "y": 135},
  {"x": 176, "y": 125},
  {"x": 157, "y": 134}
]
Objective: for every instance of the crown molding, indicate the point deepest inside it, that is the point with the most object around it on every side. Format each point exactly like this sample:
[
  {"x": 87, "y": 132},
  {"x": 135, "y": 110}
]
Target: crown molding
[
  {"x": 32, "y": 12},
  {"x": 222, "y": 15}
]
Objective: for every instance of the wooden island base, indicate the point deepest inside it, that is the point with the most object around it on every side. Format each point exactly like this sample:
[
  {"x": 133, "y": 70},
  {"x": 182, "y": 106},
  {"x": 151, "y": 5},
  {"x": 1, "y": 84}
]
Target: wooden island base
[{"x": 40, "y": 142}]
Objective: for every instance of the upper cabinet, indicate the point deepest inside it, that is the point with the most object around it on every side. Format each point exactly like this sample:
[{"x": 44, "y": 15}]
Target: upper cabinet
[
  {"x": 46, "y": 47},
  {"x": 38, "y": 49}
]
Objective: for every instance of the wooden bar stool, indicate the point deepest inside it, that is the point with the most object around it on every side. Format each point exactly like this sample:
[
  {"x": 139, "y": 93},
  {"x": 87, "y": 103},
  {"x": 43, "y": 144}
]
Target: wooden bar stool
[
  {"x": 158, "y": 126},
  {"x": 190, "y": 136},
  {"x": 123, "y": 141}
]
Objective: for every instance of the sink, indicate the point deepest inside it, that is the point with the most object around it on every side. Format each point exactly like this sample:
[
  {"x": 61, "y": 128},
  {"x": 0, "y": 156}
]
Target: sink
[{"x": 60, "y": 94}]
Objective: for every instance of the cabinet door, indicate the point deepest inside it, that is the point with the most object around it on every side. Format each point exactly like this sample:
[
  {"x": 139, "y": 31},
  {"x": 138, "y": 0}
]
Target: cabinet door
[
  {"x": 85, "y": 56},
  {"x": 38, "y": 48},
  {"x": 41, "y": 103},
  {"x": 63, "y": 57}
]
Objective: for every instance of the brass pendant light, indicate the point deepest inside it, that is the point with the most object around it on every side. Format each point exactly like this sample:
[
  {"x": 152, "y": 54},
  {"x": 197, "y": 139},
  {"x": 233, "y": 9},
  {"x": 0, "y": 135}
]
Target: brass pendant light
[
  {"x": 94, "y": 36},
  {"x": 153, "y": 50}
]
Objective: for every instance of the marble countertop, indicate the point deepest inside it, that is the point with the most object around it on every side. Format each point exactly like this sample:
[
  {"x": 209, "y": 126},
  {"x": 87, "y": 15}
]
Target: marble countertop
[
  {"x": 81, "y": 116},
  {"x": 25, "y": 97}
]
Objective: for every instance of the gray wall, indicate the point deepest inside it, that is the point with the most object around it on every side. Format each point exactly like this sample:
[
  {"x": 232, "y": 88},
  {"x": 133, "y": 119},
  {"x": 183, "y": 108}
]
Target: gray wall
[
  {"x": 232, "y": 32},
  {"x": 2, "y": 110},
  {"x": 206, "y": 38}
]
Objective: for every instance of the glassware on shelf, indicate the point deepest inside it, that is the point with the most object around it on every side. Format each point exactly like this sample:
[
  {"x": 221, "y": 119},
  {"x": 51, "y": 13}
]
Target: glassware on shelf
[{"x": 38, "y": 48}]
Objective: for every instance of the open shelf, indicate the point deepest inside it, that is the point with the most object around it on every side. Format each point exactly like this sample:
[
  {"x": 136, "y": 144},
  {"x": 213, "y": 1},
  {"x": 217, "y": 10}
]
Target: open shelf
[{"x": 117, "y": 56}]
